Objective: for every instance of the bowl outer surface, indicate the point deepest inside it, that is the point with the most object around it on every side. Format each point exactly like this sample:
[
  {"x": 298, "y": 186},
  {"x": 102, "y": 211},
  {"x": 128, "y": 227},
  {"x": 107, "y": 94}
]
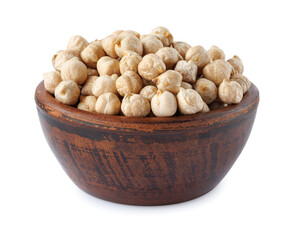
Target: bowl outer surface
[{"x": 146, "y": 161}]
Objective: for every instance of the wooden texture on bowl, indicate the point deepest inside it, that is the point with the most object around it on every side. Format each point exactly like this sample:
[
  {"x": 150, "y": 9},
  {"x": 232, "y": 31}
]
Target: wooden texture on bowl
[{"x": 146, "y": 161}]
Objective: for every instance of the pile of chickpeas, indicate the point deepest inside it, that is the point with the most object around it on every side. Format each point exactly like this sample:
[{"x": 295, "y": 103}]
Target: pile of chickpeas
[{"x": 148, "y": 75}]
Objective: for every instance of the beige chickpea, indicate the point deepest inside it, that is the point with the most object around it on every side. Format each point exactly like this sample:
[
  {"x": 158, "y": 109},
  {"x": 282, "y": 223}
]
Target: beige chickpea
[
  {"x": 230, "y": 92},
  {"x": 92, "y": 72},
  {"x": 129, "y": 82},
  {"x": 87, "y": 86},
  {"x": 51, "y": 81},
  {"x": 164, "y": 104},
  {"x": 104, "y": 84},
  {"x": 87, "y": 103},
  {"x": 108, "y": 66},
  {"x": 237, "y": 64},
  {"x": 181, "y": 47},
  {"x": 67, "y": 92},
  {"x": 151, "y": 44},
  {"x": 134, "y": 105},
  {"x": 216, "y": 53},
  {"x": 130, "y": 62},
  {"x": 74, "y": 70},
  {"x": 199, "y": 56},
  {"x": 186, "y": 85},
  {"x": 206, "y": 89},
  {"x": 61, "y": 57},
  {"x": 109, "y": 43},
  {"x": 151, "y": 66},
  {"x": 77, "y": 43},
  {"x": 128, "y": 43},
  {"x": 148, "y": 92},
  {"x": 189, "y": 101},
  {"x": 164, "y": 35},
  {"x": 170, "y": 56},
  {"x": 126, "y": 33},
  {"x": 108, "y": 103},
  {"x": 142, "y": 36},
  {"x": 189, "y": 70},
  {"x": 205, "y": 108},
  {"x": 169, "y": 81},
  {"x": 92, "y": 53},
  {"x": 242, "y": 80},
  {"x": 217, "y": 71}
]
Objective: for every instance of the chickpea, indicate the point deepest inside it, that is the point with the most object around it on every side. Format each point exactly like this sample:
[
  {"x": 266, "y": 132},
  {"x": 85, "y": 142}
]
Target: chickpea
[
  {"x": 87, "y": 86},
  {"x": 77, "y": 43},
  {"x": 108, "y": 103},
  {"x": 134, "y": 105},
  {"x": 186, "y": 85},
  {"x": 129, "y": 82},
  {"x": 92, "y": 72},
  {"x": 189, "y": 101},
  {"x": 216, "y": 53},
  {"x": 170, "y": 56},
  {"x": 130, "y": 62},
  {"x": 242, "y": 80},
  {"x": 61, "y": 57},
  {"x": 51, "y": 81},
  {"x": 237, "y": 64},
  {"x": 87, "y": 103},
  {"x": 181, "y": 47},
  {"x": 164, "y": 104},
  {"x": 67, "y": 92},
  {"x": 151, "y": 44},
  {"x": 217, "y": 71},
  {"x": 230, "y": 92},
  {"x": 104, "y": 84},
  {"x": 148, "y": 92},
  {"x": 92, "y": 53},
  {"x": 74, "y": 70},
  {"x": 189, "y": 70},
  {"x": 143, "y": 36},
  {"x": 164, "y": 35},
  {"x": 126, "y": 33},
  {"x": 169, "y": 81},
  {"x": 128, "y": 43},
  {"x": 108, "y": 66},
  {"x": 206, "y": 89},
  {"x": 109, "y": 43},
  {"x": 198, "y": 56},
  {"x": 151, "y": 66},
  {"x": 205, "y": 108}
]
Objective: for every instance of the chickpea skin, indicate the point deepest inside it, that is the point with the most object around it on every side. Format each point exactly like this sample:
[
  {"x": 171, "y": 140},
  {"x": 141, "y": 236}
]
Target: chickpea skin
[
  {"x": 74, "y": 70},
  {"x": 164, "y": 35},
  {"x": 189, "y": 70},
  {"x": 181, "y": 47},
  {"x": 92, "y": 72},
  {"x": 237, "y": 64},
  {"x": 151, "y": 44},
  {"x": 216, "y": 53},
  {"x": 108, "y": 66},
  {"x": 77, "y": 43},
  {"x": 109, "y": 43},
  {"x": 148, "y": 92},
  {"x": 164, "y": 104},
  {"x": 92, "y": 53},
  {"x": 186, "y": 85},
  {"x": 87, "y": 86},
  {"x": 242, "y": 80},
  {"x": 230, "y": 92},
  {"x": 199, "y": 56},
  {"x": 129, "y": 82},
  {"x": 189, "y": 101},
  {"x": 217, "y": 71},
  {"x": 128, "y": 43},
  {"x": 151, "y": 66},
  {"x": 170, "y": 56},
  {"x": 104, "y": 84},
  {"x": 61, "y": 57},
  {"x": 67, "y": 92},
  {"x": 134, "y": 105},
  {"x": 169, "y": 81},
  {"x": 87, "y": 103},
  {"x": 205, "y": 108},
  {"x": 108, "y": 103},
  {"x": 130, "y": 62},
  {"x": 51, "y": 81},
  {"x": 206, "y": 89}
]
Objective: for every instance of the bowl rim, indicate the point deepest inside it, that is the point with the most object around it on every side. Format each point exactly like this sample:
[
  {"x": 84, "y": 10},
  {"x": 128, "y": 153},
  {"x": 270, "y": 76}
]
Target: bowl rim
[{"x": 49, "y": 105}]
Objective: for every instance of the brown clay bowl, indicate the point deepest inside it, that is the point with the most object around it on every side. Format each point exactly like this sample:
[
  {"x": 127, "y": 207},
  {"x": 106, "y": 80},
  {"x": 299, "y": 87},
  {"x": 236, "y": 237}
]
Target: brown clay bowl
[{"x": 146, "y": 161}]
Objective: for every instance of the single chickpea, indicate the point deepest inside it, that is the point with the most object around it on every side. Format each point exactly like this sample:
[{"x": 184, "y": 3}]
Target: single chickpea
[
  {"x": 77, "y": 43},
  {"x": 67, "y": 92},
  {"x": 181, "y": 47},
  {"x": 92, "y": 72},
  {"x": 87, "y": 86},
  {"x": 189, "y": 101},
  {"x": 206, "y": 89},
  {"x": 242, "y": 80},
  {"x": 199, "y": 56},
  {"x": 237, "y": 64},
  {"x": 108, "y": 66},
  {"x": 189, "y": 70},
  {"x": 51, "y": 81},
  {"x": 128, "y": 43},
  {"x": 130, "y": 62},
  {"x": 126, "y": 33},
  {"x": 164, "y": 104},
  {"x": 129, "y": 82},
  {"x": 87, "y": 103},
  {"x": 61, "y": 57},
  {"x": 148, "y": 92},
  {"x": 108, "y": 103},
  {"x": 92, "y": 53},
  {"x": 217, "y": 71},
  {"x": 169, "y": 81},
  {"x": 230, "y": 92},
  {"x": 170, "y": 56},
  {"x": 104, "y": 84},
  {"x": 164, "y": 35},
  {"x": 109, "y": 43},
  {"x": 216, "y": 53},
  {"x": 205, "y": 108},
  {"x": 74, "y": 70},
  {"x": 151, "y": 44},
  {"x": 151, "y": 66},
  {"x": 186, "y": 85},
  {"x": 134, "y": 105}
]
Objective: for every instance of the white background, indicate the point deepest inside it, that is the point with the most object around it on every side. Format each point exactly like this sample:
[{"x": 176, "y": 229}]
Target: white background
[{"x": 264, "y": 196}]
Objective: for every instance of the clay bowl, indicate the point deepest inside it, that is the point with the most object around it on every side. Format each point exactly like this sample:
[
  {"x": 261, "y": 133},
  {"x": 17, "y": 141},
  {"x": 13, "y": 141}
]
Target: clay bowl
[{"x": 146, "y": 161}]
